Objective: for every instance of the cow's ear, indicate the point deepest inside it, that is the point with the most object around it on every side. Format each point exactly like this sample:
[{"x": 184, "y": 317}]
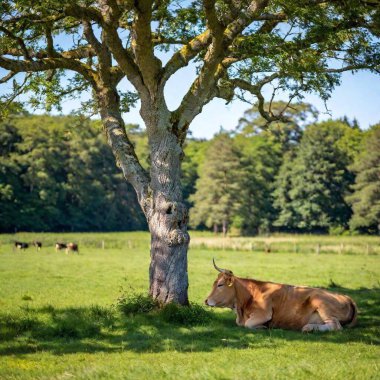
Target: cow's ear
[{"x": 230, "y": 281}]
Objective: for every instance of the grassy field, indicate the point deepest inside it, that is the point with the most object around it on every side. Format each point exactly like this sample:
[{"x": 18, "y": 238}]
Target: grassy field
[{"x": 59, "y": 320}]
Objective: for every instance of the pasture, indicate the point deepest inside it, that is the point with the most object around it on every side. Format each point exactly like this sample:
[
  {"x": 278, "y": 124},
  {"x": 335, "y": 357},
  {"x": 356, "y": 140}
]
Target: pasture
[{"x": 59, "y": 317}]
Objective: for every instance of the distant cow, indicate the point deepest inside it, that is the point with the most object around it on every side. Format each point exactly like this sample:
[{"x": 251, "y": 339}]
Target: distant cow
[
  {"x": 260, "y": 304},
  {"x": 21, "y": 245},
  {"x": 72, "y": 247},
  {"x": 60, "y": 246},
  {"x": 38, "y": 245}
]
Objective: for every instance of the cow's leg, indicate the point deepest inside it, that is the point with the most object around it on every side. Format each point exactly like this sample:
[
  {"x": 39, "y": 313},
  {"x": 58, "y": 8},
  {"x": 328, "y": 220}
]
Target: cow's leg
[
  {"x": 257, "y": 319},
  {"x": 329, "y": 324}
]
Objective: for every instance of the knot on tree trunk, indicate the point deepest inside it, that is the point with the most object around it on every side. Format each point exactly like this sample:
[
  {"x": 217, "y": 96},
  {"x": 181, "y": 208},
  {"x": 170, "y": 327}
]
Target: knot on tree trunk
[
  {"x": 178, "y": 237},
  {"x": 169, "y": 222},
  {"x": 176, "y": 216}
]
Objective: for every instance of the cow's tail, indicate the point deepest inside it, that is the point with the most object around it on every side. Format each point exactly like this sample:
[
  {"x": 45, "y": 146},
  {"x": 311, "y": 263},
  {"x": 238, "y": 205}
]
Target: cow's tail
[{"x": 354, "y": 313}]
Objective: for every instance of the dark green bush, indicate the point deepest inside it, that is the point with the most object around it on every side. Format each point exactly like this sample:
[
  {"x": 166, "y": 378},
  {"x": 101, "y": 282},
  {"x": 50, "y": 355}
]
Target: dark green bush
[
  {"x": 133, "y": 303},
  {"x": 185, "y": 315}
]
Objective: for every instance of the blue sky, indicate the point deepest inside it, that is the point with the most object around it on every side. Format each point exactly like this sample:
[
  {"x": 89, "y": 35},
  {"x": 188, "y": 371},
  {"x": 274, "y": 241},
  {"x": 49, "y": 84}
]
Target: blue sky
[{"x": 358, "y": 97}]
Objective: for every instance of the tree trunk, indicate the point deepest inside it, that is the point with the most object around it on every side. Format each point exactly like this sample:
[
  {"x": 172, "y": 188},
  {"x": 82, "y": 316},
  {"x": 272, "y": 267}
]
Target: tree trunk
[
  {"x": 167, "y": 220},
  {"x": 169, "y": 243},
  {"x": 225, "y": 227},
  {"x": 159, "y": 195}
]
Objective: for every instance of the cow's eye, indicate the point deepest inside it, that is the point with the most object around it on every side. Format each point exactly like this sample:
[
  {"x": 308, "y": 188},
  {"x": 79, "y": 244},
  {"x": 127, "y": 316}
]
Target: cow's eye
[{"x": 219, "y": 285}]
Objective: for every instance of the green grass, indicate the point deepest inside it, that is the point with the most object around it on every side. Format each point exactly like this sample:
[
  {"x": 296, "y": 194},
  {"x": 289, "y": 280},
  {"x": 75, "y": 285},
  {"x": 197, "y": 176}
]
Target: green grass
[{"x": 59, "y": 317}]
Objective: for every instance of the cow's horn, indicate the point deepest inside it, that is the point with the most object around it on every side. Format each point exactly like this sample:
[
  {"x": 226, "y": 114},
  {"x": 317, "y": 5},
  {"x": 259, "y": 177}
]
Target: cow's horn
[{"x": 226, "y": 271}]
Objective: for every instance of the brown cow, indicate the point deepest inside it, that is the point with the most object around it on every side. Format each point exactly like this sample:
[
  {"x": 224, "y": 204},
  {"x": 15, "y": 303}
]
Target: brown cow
[
  {"x": 72, "y": 247},
  {"x": 260, "y": 304}
]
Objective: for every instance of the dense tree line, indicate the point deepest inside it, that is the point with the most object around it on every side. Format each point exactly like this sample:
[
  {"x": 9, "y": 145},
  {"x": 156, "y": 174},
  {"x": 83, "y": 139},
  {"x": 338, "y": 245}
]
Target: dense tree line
[
  {"x": 57, "y": 174},
  {"x": 298, "y": 176}
]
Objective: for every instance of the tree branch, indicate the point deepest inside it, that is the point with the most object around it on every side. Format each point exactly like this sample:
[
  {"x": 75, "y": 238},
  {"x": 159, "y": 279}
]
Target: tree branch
[
  {"x": 246, "y": 17},
  {"x": 122, "y": 147},
  {"x": 142, "y": 46},
  {"x": 7, "y": 77},
  {"x": 183, "y": 56},
  {"x": 19, "y": 40},
  {"x": 48, "y": 64},
  {"x": 256, "y": 91}
]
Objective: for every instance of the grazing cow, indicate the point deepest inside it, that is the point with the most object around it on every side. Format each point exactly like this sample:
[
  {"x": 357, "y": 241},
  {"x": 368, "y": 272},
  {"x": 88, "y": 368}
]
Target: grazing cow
[
  {"x": 21, "y": 245},
  {"x": 60, "y": 246},
  {"x": 38, "y": 245},
  {"x": 260, "y": 304},
  {"x": 72, "y": 247}
]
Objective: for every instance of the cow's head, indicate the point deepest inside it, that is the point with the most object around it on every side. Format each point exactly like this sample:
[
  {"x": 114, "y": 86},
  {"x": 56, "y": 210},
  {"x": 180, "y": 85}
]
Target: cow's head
[{"x": 223, "y": 292}]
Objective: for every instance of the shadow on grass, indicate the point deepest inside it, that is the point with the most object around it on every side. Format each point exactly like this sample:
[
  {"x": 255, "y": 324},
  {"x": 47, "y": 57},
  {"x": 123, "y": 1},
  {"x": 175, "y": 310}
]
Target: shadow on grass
[{"x": 96, "y": 329}]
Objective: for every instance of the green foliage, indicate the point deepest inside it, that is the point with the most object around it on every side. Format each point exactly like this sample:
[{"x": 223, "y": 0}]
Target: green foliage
[
  {"x": 194, "y": 155},
  {"x": 365, "y": 200},
  {"x": 216, "y": 199},
  {"x": 191, "y": 315},
  {"x": 312, "y": 184},
  {"x": 57, "y": 173},
  {"x": 131, "y": 302},
  {"x": 136, "y": 303},
  {"x": 260, "y": 161}
]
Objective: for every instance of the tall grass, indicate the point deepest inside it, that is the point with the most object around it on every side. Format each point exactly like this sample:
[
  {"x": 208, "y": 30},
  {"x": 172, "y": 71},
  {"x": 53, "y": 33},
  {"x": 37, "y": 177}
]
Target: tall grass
[{"x": 291, "y": 244}]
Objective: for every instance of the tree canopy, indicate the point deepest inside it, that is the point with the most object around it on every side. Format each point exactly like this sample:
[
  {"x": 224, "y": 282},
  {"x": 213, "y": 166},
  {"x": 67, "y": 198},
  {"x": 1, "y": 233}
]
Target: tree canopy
[{"x": 238, "y": 46}]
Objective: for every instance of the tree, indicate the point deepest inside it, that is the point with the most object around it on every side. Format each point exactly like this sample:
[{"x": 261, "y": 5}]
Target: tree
[
  {"x": 194, "y": 156},
  {"x": 261, "y": 157},
  {"x": 295, "y": 45},
  {"x": 216, "y": 199},
  {"x": 286, "y": 214},
  {"x": 311, "y": 188},
  {"x": 365, "y": 200},
  {"x": 286, "y": 132}
]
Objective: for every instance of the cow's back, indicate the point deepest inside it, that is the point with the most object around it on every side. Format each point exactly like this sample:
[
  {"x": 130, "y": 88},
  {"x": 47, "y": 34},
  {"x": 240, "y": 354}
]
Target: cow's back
[{"x": 295, "y": 306}]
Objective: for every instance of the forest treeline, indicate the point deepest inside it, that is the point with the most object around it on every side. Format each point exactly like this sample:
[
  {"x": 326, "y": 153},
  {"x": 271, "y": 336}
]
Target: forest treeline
[{"x": 58, "y": 174}]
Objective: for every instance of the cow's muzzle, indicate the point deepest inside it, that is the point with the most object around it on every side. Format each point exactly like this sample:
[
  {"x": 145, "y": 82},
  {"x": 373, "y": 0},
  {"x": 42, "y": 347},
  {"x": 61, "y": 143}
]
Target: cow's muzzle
[{"x": 207, "y": 303}]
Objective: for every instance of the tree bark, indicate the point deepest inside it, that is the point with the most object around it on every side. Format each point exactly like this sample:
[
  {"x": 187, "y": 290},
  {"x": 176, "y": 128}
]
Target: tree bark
[
  {"x": 168, "y": 276},
  {"x": 168, "y": 215}
]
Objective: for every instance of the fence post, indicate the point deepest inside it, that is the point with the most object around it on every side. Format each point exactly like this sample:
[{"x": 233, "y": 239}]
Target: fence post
[
  {"x": 103, "y": 244},
  {"x": 367, "y": 249},
  {"x": 341, "y": 248},
  {"x": 318, "y": 249},
  {"x": 295, "y": 248}
]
